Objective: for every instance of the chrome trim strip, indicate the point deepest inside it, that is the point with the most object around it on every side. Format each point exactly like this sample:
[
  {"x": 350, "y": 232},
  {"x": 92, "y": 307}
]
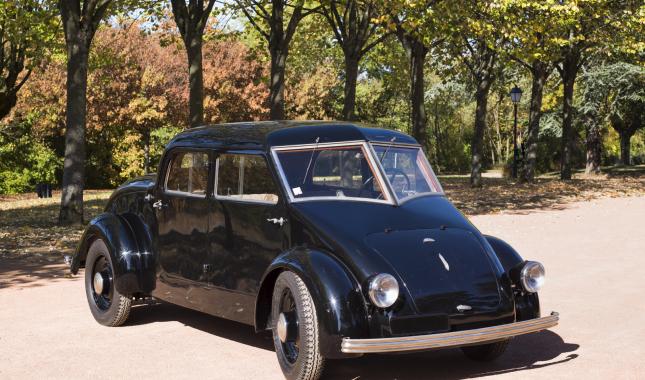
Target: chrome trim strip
[
  {"x": 449, "y": 339},
  {"x": 319, "y": 145}
]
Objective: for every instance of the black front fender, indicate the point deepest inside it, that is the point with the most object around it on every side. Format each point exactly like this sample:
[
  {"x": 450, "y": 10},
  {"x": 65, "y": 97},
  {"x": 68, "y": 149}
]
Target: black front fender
[
  {"x": 527, "y": 305},
  {"x": 340, "y": 305},
  {"x": 129, "y": 247}
]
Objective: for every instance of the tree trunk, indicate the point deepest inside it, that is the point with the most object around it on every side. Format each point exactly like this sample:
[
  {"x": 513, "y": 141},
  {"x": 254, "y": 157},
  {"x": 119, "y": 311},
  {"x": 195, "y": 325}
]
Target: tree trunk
[
  {"x": 7, "y": 102},
  {"x": 71, "y": 210},
  {"x": 625, "y": 148},
  {"x": 279, "y": 51},
  {"x": 477, "y": 144},
  {"x": 594, "y": 146},
  {"x": 146, "y": 151},
  {"x": 437, "y": 137},
  {"x": 351, "y": 78},
  {"x": 276, "y": 89},
  {"x": 417, "y": 93},
  {"x": 568, "y": 73},
  {"x": 539, "y": 73},
  {"x": 196, "y": 81}
]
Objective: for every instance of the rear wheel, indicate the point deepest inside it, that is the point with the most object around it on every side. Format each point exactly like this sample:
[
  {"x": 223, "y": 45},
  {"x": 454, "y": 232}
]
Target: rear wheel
[
  {"x": 108, "y": 306},
  {"x": 295, "y": 329},
  {"x": 486, "y": 352}
]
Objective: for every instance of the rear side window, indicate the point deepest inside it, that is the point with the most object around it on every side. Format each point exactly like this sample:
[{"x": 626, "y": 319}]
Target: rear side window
[
  {"x": 188, "y": 173},
  {"x": 245, "y": 177}
]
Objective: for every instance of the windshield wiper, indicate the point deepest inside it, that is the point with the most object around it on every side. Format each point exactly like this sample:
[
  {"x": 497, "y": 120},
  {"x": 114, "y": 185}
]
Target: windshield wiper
[
  {"x": 311, "y": 158},
  {"x": 387, "y": 149}
]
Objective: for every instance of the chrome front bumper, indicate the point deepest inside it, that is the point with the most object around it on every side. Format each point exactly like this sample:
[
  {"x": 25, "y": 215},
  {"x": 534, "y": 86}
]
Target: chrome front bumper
[{"x": 449, "y": 339}]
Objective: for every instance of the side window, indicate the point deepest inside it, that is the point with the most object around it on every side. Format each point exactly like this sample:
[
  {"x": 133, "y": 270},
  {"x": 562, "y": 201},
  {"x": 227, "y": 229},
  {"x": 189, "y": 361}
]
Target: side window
[
  {"x": 245, "y": 177},
  {"x": 188, "y": 173}
]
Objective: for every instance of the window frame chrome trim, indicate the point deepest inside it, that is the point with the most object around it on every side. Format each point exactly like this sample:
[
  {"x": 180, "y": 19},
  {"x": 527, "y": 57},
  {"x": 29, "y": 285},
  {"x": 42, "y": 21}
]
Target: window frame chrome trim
[
  {"x": 168, "y": 169},
  {"x": 385, "y": 187},
  {"x": 238, "y": 200},
  {"x": 401, "y": 201}
]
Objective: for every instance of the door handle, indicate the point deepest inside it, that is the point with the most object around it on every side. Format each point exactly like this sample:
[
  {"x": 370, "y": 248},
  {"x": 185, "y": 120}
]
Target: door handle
[
  {"x": 159, "y": 205},
  {"x": 280, "y": 221}
]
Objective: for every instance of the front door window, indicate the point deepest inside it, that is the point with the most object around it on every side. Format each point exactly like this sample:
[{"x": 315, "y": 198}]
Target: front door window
[{"x": 245, "y": 178}]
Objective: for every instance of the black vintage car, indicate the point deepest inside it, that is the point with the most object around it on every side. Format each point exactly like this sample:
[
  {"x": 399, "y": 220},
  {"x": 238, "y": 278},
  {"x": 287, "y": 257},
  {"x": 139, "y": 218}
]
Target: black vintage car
[{"x": 335, "y": 236}]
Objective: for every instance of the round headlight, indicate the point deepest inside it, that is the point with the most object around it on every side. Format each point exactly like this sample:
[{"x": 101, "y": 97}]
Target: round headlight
[
  {"x": 383, "y": 290},
  {"x": 532, "y": 276}
]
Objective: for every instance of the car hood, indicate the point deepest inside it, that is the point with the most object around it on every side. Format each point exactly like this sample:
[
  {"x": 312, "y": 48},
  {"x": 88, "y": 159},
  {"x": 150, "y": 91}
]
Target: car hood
[
  {"x": 444, "y": 270},
  {"x": 441, "y": 260}
]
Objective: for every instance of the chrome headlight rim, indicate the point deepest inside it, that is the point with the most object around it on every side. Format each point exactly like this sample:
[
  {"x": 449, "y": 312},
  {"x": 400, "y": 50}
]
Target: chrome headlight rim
[
  {"x": 530, "y": 282},
  {"x": 383, "y": 290}
]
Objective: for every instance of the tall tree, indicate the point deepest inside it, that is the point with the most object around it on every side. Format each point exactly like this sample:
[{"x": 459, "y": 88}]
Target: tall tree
[
  {"x": 26, "y": 30},
  {"x": 81, "y": 19},
  {"x": 612, "y": 92},
  {"x": 191, "y": 20},
  {"x": 474, "y": 37},
  {"x": 357, "y": 32},
  {"x": 415, "y": 27},
  {"x": 276, "y": 21},
  {"x": 531, "y": 42},
  {"x": 80, "y": 22},
  {"x": 585, "y": 27}
]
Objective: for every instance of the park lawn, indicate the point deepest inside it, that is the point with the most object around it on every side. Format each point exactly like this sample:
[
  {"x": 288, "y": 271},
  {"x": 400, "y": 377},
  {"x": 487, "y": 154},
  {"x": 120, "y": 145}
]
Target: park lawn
[{"x": 28, "y": 226}]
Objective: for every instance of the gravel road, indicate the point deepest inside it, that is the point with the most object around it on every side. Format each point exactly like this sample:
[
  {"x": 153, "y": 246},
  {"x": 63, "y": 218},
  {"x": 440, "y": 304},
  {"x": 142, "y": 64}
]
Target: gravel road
[{"x": 594, "y": 254}]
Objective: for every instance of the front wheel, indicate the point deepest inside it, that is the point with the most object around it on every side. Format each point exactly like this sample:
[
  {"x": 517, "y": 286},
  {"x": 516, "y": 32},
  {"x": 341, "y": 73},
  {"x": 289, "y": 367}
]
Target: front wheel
[
  {"x": 486, "y": 352},
  {"x": 295, "y": 329},
  {"x": 108, "y": 306}
]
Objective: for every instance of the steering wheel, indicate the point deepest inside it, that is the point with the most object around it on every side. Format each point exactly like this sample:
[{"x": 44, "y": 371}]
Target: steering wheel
[{"x": 393, "y": 173}]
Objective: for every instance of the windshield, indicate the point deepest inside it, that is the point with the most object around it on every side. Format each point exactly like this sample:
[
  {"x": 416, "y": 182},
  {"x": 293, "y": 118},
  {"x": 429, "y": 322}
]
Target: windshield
[
  {"x": 407, "y": 170},
  {"x": 346, "y": 171},
  {"x": 351, "y": 171}
]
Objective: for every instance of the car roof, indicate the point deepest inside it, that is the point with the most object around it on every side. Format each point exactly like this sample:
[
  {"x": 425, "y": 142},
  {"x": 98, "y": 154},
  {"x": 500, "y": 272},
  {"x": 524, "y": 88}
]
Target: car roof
[{"x": 262, "y": 135}]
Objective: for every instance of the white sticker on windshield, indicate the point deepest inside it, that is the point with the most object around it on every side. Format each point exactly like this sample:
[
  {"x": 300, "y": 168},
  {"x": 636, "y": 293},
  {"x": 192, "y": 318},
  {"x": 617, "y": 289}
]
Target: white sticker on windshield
[{"x": 297, "y": 191}]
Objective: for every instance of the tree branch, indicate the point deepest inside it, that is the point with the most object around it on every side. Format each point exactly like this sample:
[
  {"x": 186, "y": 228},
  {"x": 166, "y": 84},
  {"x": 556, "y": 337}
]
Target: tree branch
[{"x": 255, "y": 24}]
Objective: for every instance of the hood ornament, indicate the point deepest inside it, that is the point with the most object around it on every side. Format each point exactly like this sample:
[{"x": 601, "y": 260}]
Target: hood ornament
[
  {"x": 462, "y": 308},
  {"x": 445, "y": 263}
]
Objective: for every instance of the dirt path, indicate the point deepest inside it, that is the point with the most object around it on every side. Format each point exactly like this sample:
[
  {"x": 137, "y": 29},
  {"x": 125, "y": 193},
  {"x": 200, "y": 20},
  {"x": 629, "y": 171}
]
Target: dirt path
[{"x": 594, "y": 253}]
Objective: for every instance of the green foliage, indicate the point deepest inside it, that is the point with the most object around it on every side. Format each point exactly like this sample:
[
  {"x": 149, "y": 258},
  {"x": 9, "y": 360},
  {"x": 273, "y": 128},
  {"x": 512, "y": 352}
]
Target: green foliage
[
  {"x": 137, "y": 84},
  {"x": 24, "y": 163}
]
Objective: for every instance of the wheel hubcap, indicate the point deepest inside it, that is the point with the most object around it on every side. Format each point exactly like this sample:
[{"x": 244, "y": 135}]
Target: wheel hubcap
[
  {"x": 98, "y": 283},
  {"x": 287, "y": 327},
  {"x": 102, "y": 287},
  {"x": 282, "y": 327}
]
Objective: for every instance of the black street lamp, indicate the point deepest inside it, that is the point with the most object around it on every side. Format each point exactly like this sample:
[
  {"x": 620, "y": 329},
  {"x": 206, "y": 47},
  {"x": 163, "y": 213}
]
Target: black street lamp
[{"x": 516, "y": 95}]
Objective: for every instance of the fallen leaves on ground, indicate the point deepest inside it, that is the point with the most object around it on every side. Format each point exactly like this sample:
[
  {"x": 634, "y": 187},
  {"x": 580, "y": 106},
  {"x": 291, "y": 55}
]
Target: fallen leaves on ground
[{"x": 28, "y": 225}]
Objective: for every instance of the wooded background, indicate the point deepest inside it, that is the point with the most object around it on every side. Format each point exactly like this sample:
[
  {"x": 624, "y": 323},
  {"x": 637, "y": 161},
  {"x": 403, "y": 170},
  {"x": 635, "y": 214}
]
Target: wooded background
[{"x": 90, "y": 91}]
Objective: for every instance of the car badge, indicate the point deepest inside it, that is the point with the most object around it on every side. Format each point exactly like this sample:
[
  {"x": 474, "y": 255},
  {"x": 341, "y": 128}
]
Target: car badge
[
  {"x": 462, "y": 308},
  {"x": 445, "y": 263},
  {"x": 428, "y": 240}
]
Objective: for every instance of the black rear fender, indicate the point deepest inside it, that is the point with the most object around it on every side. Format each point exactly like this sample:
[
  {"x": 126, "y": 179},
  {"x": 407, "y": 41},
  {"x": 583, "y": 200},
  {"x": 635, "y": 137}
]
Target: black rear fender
[
  {"x": 340, "y": 305},
  {"x": 129, "y": 245}
]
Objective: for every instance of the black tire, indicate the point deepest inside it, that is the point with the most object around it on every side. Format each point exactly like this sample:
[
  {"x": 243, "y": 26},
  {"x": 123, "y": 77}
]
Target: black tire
[
  {"x": 307, "y": 364},
  {"x": 109, "y": 307},
  {"x": 486, "y": 352}
]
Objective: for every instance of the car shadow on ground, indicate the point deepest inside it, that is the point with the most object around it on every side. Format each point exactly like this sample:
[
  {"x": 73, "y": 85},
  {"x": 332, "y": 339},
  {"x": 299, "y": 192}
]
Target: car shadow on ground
[
  {"x": 525, "y": 352},
  {"x": 223, "y": 328},
  {"x": 532, "y": 351}
]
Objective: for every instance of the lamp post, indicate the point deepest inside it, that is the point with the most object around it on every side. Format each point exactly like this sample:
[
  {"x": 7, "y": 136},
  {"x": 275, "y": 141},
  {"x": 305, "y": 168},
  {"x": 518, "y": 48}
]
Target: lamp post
[{"x": 516, "y": 95}]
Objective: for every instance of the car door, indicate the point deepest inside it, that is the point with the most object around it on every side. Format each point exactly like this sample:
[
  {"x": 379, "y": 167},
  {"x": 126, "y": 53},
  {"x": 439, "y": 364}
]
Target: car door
[
  {"x": 247, "y": 229},
  {"x": 181, "y": 205}
]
